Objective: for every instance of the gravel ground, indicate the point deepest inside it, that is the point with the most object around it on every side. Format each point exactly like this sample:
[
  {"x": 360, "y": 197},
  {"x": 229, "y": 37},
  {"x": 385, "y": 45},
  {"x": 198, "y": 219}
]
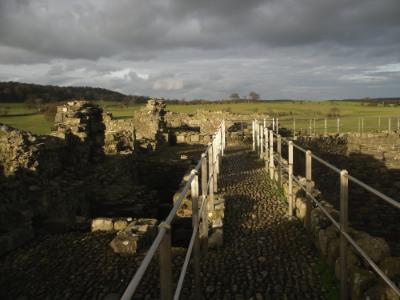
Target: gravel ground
[{"x": 265, "y": 255}]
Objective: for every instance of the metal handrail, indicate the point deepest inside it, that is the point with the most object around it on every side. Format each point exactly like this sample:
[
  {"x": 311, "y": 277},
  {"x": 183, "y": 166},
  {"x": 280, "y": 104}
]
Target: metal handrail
[
  {"x": 219, "y": 136},
  {"x": 307, "y": 188}
]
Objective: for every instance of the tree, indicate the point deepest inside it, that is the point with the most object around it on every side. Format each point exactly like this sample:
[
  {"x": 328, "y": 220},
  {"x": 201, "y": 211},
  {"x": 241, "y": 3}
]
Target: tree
[
  {"x": 234, "y": 96},
  {"x": 254, "y": 96}
]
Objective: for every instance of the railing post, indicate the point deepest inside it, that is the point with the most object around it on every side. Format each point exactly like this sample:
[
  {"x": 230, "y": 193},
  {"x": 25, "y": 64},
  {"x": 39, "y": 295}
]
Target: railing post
[
  {"x": 344, "y": 194},
  {"x": 277, "y": 126},
  {"x": 359, "y": 126},
  {"x": 294, "y": 128},
  {"x": 398, "y": 124},
  {"x": 310, "y": 128},
  {"x": 309, "y": 189},
  {"x": 379, "y": 124},
  {"x": 165, "y": 262},
  {"x": 271, "y": 155},
  {"x": 290, "y": 174},
  {"x": 389, "y": 125},
  {"x": 265, "y": 123},
  {"x": 258, "y": 135},
  {"x": 314, "y": 133},
  {"x": 195, "y": 224},
  {"x": 204, "y": 236},
  {"x": 325, "y": 127},
  {"x": 279, "y": 151},
  {"x": 266, "y": 155},
  {"x": 210, "y": 177},
  {"x": 262, "y": 142},
  {"x": 362, "y": 126},
  {"x": 338, "y": 125},
  {"x": 215, "y": 166},
  {"x": 254, "y": 135}
]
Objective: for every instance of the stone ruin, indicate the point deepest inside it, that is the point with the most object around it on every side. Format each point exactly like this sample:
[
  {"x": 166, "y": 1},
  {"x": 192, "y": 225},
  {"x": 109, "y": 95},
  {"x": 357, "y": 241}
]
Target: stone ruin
[
  {"x": 80, "y": 123},
  {"x": 146, "y": 130}
]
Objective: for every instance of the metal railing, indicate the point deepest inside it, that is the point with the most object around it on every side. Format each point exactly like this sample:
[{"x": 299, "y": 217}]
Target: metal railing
[
  {"x": 208, "y": 167},
  {"x": 325, "y": 126},
  {"x": 263, "y": 143}
]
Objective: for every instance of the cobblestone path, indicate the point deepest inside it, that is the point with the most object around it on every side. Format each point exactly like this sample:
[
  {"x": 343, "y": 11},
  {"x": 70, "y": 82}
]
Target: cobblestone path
[{"x": 265, "y": 255}]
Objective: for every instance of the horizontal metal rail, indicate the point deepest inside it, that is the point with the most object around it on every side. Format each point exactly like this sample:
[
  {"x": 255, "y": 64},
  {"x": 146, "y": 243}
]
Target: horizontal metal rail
[
  {"x": 218, "y": 143},
  {"x": 307, "y": 188}
]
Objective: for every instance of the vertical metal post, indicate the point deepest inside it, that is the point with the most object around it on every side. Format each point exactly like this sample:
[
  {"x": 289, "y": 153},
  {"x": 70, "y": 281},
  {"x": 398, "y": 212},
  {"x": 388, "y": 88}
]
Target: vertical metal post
[
  {"x": 338, "y": 125},
  {"x": 290, "y": 171},
  {"x": 359, "y": 126},
  {"x": 266, "y": 154},
  {"x": 277, "y": 126},
  {"x": 314, "y": 132},
  {"x": 215, "y": 166},
  {"x": 309, "y": 189},
  {"x": 294, "y": 128},
  {"x": 258, "y": 136},
  {"x": 279, "y": 151},
  {"x": 195, "y": 224},
  {"x": 204, "y": 223},
  {"x": 222, "y": 137},
  {"x": 344, "y": 194},
  {"x": 379, "y": 124},
  {"x": 165, "y": 261},
  {"x": 254, "y": 135},
  {"x": 210, "y": 177},
  {"x": 271, "y": 155},
  {"x": 262, "y": 142},
  {"x": 273, "y": 124},
  {"x": 390, "y": 125},
  {"x": 265, "y": 123},
  {"x": 325, "y": 127},
  {"x": 362, "y": 126},
  {"x": 310, "y": 128},
  {"x": 398, "y": 124}
]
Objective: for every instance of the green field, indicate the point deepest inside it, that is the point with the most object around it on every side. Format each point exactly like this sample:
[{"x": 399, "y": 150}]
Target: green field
[{"x": 302, "y": 111}]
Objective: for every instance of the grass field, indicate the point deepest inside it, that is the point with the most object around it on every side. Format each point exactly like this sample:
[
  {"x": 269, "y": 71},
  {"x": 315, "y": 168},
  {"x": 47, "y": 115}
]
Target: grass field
[{"x": 286, "y": 111}]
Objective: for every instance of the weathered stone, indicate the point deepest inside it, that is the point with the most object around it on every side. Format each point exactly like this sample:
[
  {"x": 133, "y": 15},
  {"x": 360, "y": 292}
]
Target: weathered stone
[
  {"x": 215, "y": 240},
  {"x": 102, "y": 224},
  {"x": 125, "y": 242},
  {"x": 361, "y": 280},
  {"x": 390, "y": 266},
  {"x": 374, "y": 247},
  {"x": 120, "y": 224},
  {"x": 325, "y": 236}
]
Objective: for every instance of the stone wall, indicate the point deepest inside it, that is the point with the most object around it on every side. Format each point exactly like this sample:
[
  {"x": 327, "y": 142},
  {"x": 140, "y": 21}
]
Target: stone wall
[
  {"x": 363, "y": 283},
  {"x": 146, "y": 130},
  {"x": 42, "y": 177}
]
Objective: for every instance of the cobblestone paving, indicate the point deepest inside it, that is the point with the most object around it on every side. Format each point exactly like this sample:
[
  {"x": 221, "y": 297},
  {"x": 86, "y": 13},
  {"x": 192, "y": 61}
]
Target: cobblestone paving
[{"x": 265, "y": 256}]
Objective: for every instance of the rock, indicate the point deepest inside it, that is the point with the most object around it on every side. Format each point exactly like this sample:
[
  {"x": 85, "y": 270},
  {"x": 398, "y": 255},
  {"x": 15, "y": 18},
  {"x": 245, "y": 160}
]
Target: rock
[
  {"x": 120, "y": 224},
  {"x": 390, "y": 266},
  {"x": 216, "y": 239},
  {"x": 102, "y": 224},
  {"x": 360, "y": 281},
  {"x": 325, "y": 236},
  {"x": 125, "y": 243},
  {"x": 352, "y": 263},
  {"x": 333, "y": 251},
  {"x": 376, "y": 248}
]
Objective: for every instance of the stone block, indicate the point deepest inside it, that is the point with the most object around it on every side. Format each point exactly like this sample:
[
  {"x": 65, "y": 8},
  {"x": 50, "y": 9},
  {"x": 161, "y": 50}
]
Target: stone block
[
  {"x": 102, "y": 224},
  {"x": 120, "y": 224},
  {"x": 125, "y": 242},
  {"x": 195, "y": 138},
  {"x": 180, "y": 138}
]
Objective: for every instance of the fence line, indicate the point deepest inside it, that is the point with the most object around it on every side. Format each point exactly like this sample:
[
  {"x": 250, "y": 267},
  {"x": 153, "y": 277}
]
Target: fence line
[
  {"x": 208, "y": 165},
  {"x": 273, "y": 136}
]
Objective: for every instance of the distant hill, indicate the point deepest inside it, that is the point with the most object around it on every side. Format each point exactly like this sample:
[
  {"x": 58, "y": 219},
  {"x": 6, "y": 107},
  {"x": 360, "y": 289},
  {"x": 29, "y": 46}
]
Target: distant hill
[{"x": 25, "y": 92}]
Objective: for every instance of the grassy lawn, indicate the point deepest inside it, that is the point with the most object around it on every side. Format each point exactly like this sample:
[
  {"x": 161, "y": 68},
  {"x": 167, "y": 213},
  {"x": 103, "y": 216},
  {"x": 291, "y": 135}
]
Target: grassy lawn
[{"x": 302, "y": 111}]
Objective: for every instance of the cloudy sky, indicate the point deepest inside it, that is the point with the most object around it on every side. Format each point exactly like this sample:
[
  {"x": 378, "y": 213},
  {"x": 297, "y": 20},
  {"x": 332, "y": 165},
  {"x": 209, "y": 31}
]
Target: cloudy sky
[{"x": 206, "y": 48}]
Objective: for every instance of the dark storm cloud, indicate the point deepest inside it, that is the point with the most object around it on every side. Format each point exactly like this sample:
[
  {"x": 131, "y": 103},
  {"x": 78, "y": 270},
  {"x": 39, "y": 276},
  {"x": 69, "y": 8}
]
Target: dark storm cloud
[{"x": 209, "y": 48}]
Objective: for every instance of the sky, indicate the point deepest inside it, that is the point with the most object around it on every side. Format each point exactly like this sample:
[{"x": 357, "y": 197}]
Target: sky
[{"x": 206, "y": 49}]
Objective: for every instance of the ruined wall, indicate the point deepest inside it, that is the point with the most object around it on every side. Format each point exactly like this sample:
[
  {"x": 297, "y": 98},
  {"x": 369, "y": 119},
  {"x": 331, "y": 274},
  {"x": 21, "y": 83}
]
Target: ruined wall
[
  {"x": 42, "y": 177},
  {"x": 384, "y": 147},
  {"x": 146, "y": 130}
]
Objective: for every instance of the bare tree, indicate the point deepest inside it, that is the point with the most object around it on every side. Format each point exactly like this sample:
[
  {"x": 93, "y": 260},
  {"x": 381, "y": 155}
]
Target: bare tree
[
  {"x": 234, "y": 96},
  {"x": 254, "y": 96}
]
